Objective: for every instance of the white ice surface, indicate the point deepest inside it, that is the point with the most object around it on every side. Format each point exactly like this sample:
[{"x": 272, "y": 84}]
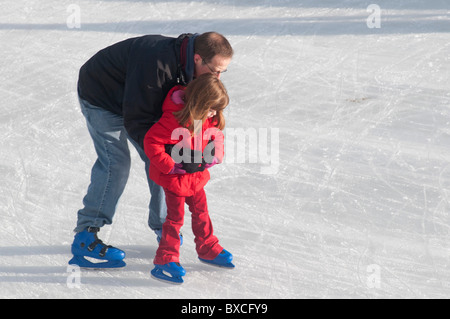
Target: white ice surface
[{"x": 359, "y": 207}]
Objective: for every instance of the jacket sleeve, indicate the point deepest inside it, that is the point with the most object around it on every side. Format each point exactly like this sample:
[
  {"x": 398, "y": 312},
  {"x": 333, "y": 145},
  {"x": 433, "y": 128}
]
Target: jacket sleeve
[{"x": 154, "y": 146}]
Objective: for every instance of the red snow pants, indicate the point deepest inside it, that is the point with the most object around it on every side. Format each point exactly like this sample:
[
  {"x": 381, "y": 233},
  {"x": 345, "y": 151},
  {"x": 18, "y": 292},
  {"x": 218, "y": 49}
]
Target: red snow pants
[{"x": 207, "y": 245}]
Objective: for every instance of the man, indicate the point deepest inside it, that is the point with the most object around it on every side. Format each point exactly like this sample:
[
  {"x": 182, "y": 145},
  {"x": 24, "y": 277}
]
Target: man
[{"x": 121, "y": 90}]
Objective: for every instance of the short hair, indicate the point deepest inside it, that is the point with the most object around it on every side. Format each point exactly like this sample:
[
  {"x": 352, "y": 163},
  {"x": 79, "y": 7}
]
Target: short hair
[{"x": 210, "y": 44}]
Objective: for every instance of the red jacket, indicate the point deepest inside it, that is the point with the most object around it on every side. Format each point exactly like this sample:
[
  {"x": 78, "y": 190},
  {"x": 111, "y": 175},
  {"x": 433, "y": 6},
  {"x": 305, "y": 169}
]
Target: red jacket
[{"x": 161, "y": 163}]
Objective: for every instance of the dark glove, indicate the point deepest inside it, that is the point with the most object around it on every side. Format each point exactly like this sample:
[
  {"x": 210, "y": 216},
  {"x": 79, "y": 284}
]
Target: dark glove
[{"x": 190, "y": 166}]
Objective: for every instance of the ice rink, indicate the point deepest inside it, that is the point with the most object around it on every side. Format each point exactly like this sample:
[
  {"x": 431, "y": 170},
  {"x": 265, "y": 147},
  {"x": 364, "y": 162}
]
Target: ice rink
[{"x": 345, "y": 194}]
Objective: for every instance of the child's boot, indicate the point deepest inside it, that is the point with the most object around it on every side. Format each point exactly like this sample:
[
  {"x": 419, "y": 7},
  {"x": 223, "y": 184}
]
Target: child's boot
[
  {"x": 224, "y": 259},
  {"x": 170, "y": 272}
]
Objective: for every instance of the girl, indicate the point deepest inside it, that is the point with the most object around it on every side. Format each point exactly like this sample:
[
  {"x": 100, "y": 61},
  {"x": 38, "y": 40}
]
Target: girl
[{"x": 182, "y": 146}]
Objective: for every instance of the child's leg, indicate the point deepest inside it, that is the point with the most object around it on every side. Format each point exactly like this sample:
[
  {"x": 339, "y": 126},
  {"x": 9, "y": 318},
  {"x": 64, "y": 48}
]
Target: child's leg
[
  {"x": 169, "y": 246},
  {"x": 207, "y": 244}
]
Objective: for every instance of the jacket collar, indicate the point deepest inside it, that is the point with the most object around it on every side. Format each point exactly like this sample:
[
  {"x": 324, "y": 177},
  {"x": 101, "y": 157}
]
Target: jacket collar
[
  {"x": 189, "y": 69},
  {"x": 185, "y": 73}
]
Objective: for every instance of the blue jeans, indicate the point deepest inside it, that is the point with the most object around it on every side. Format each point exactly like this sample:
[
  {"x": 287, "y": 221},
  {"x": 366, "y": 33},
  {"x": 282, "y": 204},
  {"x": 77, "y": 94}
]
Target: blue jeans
[{"x": 111, "y": 170}]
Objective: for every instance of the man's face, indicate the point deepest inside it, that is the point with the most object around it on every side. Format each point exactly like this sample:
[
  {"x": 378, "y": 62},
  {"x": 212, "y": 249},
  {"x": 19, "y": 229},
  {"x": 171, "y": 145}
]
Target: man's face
[{"x": 217, "y": 65}]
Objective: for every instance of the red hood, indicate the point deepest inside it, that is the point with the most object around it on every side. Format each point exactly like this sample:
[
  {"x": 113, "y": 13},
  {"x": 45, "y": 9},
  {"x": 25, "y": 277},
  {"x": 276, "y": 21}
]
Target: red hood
[{"x": 169, "y": 105}]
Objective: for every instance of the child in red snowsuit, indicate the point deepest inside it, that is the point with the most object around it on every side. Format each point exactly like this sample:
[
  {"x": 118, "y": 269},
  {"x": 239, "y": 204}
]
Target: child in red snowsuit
[{"x": 182, "y": 146}]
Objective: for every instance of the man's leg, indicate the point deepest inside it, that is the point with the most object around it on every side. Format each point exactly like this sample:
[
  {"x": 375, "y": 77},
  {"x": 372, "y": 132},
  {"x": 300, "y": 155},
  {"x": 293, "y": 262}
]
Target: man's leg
[
  {"x": 157, "y": 206},
  {"x": 111, "y": 170}
]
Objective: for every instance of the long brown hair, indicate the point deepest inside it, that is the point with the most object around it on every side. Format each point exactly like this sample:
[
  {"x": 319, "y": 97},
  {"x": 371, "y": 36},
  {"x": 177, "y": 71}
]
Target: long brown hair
[{"x": 203, "y": 94}]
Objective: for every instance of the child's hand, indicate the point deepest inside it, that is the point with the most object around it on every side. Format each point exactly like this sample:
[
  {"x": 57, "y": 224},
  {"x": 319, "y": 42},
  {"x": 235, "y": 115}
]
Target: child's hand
[
  {"x": 177, "y": 169},
  {"x": 214, "y": 162}
]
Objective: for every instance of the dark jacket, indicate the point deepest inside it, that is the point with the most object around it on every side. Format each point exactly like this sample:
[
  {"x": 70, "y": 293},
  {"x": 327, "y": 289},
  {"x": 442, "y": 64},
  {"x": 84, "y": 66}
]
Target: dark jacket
[{"x": 131, "y": 78}]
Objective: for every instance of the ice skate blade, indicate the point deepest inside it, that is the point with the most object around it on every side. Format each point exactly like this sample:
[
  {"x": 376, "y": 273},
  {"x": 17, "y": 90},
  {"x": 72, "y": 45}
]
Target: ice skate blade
[
  {"x": 159, "y": 275},
  {"x": 83, "y": 263},
  {"x": 224, "y": 266}
]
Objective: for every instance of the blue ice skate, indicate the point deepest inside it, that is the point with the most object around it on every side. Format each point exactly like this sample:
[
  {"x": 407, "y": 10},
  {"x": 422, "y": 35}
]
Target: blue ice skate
[
  {"x": 87, "y": 244},
  {"x": 224, "y": 260},
  {"x": 158, "y": 233},
  {"x": 170, "y": 272}
]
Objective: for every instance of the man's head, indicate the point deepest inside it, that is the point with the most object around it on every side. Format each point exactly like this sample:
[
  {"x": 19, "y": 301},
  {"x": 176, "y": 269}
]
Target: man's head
[{"x": 212, "y": 54}]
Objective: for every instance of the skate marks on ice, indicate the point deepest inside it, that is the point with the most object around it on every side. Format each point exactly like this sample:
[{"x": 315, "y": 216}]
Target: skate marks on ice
[
  {"x": 363, "y": 175},
  {"x": 359, "y": 207},
  {"x": 269, "y": 18},
  {"x": 43, "y": 272}
]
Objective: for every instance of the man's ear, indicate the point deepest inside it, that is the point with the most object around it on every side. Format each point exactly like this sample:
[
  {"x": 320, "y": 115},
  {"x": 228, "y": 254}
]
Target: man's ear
[{"x": 197, "y": 58}]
